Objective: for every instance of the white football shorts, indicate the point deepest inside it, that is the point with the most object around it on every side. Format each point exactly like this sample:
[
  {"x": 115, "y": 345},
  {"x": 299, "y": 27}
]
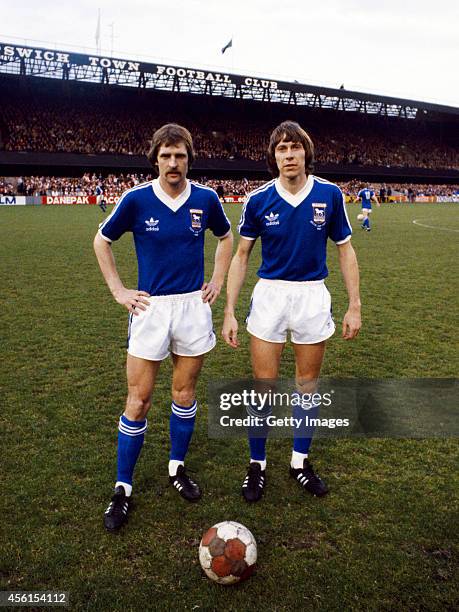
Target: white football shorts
[
  {"x": 303, "y": 308},
  {"x": 181, "y": 324},
  {"x": 367, "y": 210}
]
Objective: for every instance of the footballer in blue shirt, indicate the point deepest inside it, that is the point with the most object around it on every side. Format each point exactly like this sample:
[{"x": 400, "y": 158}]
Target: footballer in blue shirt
[
  {"x": 294, "y": 215},
  {"x": 169, "y": 312},
  {"x": 366, "y": 195},
  {"x": 100, "y": 200}
]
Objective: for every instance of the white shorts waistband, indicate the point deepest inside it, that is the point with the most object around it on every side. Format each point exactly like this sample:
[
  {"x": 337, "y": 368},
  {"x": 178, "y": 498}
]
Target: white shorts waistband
[
  {"x": 286, "y": 283},
  {"x": 176, "y": 297}
]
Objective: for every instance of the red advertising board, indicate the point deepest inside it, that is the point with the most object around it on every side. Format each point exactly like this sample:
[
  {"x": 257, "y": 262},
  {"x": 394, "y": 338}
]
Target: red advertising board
[
  {"x": 234, "y": 199},
  {"x": 68, "y": 199}
]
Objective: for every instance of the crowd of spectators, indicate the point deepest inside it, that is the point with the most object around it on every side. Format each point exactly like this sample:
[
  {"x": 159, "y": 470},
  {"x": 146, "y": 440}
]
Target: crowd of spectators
[
  {"x": 90, "y": 132},
  {"x": 122, "y": 123},
  {"x": 114, "y": 185}
]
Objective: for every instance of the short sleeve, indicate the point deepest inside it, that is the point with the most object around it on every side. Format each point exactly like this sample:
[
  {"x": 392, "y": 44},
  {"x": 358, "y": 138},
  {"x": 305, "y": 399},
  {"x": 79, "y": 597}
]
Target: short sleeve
[
  {"x": 218, "y": 221},
  {"x": 248, "y": 226},
  {"x": 340, "y": 227},
  {"x": 120, "y": 221}
]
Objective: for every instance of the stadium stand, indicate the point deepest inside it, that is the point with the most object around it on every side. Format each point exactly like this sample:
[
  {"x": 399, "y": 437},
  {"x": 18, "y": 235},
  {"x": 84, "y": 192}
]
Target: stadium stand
[
  {"x": 90, "y": 117},
  {"x": 78, "y": 119}
]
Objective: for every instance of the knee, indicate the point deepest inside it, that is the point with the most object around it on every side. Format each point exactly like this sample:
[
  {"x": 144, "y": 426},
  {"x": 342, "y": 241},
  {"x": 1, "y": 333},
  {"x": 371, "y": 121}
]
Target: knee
[
  {"x": 183, "y": 396},
  {"x": 306, "y": 384},
  {"x": 137, "y": 406}
]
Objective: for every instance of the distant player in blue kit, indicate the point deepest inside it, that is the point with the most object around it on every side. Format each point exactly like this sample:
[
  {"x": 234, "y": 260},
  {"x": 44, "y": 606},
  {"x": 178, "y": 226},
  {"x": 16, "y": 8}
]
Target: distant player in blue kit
[
  {"x": 100, "y": 200},
  {"x": 366, "y": 195},
  {"x": 294, "y": 215},
  {"x": 170, "y": 311}
]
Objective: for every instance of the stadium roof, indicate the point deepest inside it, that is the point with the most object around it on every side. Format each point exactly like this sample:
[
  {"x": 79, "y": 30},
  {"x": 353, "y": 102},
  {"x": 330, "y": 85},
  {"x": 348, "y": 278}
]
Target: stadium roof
[{"x": 40, "y": 62}]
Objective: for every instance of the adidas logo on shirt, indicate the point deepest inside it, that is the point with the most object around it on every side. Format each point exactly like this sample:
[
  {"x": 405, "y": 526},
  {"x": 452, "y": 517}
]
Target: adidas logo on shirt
[
  {"x": 152, "y": 225},
  {"x": 272, "y": 219}
]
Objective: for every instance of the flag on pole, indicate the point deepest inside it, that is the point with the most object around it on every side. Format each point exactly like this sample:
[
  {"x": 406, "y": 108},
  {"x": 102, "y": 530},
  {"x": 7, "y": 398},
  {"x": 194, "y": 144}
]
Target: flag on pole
[
  {"x": 98, "y": 31},
  {"x": 227, "y": 46}
]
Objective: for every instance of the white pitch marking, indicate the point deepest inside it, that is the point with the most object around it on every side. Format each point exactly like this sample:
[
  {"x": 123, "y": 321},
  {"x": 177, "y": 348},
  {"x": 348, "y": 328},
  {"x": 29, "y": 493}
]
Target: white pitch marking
[{"x": 445, "y": 229}]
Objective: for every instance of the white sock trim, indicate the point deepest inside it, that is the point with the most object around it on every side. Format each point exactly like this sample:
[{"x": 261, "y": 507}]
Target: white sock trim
[
  {"x": 173, "y": 466},
  {"x": 262, "y": 463},
  {"x": 298, "y": 459},
  {"x": 127, "y": 487},
  {"x": 185, "y": 413}
]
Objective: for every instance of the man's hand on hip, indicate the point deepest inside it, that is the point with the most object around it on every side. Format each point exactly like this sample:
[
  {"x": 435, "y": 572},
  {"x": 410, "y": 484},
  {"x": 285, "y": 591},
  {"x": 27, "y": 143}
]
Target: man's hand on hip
[{"x": 132, "y": 299}]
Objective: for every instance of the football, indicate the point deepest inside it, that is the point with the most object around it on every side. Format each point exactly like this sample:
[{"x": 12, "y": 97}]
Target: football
[
  {"x": 228, "y": 553},
  {"x": 360, "y": 217}
]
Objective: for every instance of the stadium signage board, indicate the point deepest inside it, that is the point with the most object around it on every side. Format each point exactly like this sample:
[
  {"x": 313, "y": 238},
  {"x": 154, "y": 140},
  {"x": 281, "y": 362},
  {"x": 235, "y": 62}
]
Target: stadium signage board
[
  {"x": 202, "y": 75},
  {"x": 56, "y": 64},
  {"x": 234, "y": 199},
  {"x": 8, "y": 200},
  {"x": 68, "y": 199},
  {"x": 16, "y": 52},
  {"x": 74, "y": 199},
  {"x": 453, "y": 198}
]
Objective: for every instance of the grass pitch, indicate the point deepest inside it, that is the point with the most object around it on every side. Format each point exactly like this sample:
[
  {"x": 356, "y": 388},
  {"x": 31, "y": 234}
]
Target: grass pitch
[{"x": 382, "y": 540}]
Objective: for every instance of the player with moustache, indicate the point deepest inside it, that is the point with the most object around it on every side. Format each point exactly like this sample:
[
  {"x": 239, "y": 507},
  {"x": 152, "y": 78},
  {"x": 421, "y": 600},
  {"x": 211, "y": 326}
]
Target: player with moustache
[
  {"x": 170, "y": 312},
  {"x": 294, "y": 215}
]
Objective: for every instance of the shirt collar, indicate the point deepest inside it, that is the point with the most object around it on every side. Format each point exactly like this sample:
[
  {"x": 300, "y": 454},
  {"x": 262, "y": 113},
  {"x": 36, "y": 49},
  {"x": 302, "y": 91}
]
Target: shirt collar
[
  {"x": 173, "y": 203},
  {"x": 297, "y": 198}
]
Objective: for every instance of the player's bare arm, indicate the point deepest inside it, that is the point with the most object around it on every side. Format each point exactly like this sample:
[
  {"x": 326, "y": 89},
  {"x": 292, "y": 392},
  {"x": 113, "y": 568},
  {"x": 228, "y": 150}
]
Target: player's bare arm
[
  {"x": 236, "y": 277},
  {"x": 132, "y": 299},
  {"x": 223, "y": 252},
  {"x": 350, "y": 270}
]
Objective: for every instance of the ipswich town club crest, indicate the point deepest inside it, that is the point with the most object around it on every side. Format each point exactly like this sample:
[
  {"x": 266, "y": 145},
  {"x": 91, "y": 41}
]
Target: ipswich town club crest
[
  {"x": 196, "y": 220},
  {"x": 319, "y": 214}
]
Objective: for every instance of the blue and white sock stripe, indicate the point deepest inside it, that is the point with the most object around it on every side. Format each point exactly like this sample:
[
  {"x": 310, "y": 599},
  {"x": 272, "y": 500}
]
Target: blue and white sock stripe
[
  {"x": 132, "y": 431},
  {"x": 185, "y": 413},
  {"x": 300, "y": 400},
  {"x": 261, "y": 414},
  {"x": 296, "y": 397}
]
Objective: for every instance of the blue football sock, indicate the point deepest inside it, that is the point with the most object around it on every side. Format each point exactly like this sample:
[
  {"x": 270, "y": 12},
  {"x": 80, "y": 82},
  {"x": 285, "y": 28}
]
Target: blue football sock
[
  {"x": 302, "y": 435},
  {"x": 366, "y": 222},
  {"x": 258, "y": 433},
  {"x": 181, "y": 429},
  {"x": 257, "y": 448},
  {"x": 130, "y": 441}
]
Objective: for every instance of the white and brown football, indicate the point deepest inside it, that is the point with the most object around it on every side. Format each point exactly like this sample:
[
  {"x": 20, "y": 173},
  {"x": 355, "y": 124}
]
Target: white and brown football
[{"x": 228, "y": 552}]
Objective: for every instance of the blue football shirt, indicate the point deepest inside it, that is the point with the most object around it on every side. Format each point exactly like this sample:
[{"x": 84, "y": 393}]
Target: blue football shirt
[
  {"x": 294, "y": 229},
  {"x": 168, "y": 234},
  {"x": 366, "y": 195}
]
